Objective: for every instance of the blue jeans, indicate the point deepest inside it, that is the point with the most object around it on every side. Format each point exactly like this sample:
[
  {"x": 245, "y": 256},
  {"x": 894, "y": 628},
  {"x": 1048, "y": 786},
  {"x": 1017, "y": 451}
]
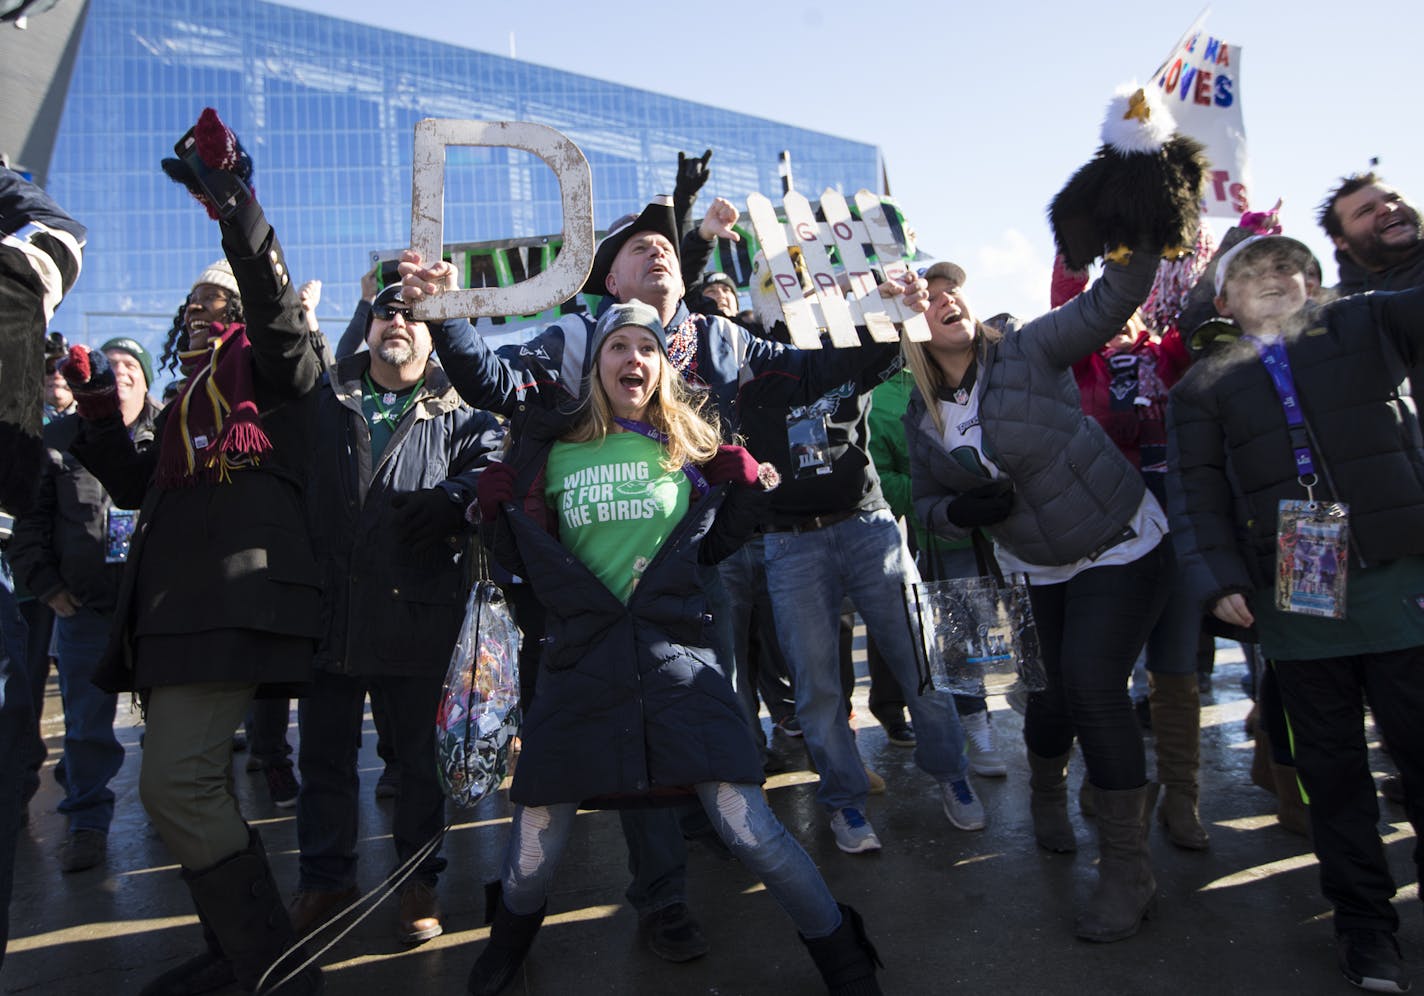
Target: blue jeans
[
  {"x": 808, "y": 575},
  {"x": 16, "y": 720},
  {"x": 327, "y": 805},
  {"x": 744, "y": 822},
  {"x": 759, "y": 667},
  {"x": 92, "y": 754}
]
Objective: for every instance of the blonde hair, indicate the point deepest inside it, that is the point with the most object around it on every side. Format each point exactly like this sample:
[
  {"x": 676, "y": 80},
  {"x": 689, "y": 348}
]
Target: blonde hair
[
  {"x": 928, "y": 377},
  {"x": 690, "y": 424}
]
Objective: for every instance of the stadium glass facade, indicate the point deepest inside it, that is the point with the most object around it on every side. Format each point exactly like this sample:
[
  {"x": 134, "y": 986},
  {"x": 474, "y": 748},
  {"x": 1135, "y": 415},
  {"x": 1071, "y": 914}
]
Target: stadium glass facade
[{"x": 327, "y": 109}]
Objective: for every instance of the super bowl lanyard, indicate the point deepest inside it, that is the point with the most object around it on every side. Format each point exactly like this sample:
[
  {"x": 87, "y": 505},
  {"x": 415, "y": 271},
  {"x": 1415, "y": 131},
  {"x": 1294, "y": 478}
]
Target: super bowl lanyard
[
  {"x": 1273, "y": 355},
  {"x": 644, "y": 429}
]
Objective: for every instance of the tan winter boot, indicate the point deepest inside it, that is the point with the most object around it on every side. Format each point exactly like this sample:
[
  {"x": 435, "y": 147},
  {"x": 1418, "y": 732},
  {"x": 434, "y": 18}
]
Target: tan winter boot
[
  {"x": 1126, "y": 891},
  {"x": 1048, "y": 803},
  {"x": 1293, "y": 814},
  {"x": 1176, "y": 728}
]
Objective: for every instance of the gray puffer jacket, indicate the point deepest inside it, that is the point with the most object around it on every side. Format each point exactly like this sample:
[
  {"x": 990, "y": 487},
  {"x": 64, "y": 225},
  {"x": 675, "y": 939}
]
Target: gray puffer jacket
[{"x": 1074, "y": 491}]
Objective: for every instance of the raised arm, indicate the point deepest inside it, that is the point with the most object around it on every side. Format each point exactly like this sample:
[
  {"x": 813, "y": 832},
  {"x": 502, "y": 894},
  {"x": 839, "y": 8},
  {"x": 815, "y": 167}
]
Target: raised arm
[{"x": 1085, "y": 324}]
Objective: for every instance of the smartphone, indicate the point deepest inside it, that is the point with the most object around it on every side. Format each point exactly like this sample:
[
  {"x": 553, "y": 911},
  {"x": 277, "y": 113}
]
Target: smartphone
[{"x": 226, "y": 191}]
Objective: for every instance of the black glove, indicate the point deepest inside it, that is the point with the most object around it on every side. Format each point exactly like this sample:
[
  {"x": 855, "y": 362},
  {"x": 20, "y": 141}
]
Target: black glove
[
  {"x": 91, "y": 381},
  {"x": 230, "y": 176},
  {"x": 691, "y": 175},
  {"x": 983, "y": 506},
  {"x": 424, "y": 518}
]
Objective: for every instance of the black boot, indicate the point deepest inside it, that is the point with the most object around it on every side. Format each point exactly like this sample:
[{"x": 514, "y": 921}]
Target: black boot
[
  {"x": 238, "y": 899},
  {"x": 510, "y": 938},
  {"x": 847, "y": 959},
  {"x": 203, "y": 973}
]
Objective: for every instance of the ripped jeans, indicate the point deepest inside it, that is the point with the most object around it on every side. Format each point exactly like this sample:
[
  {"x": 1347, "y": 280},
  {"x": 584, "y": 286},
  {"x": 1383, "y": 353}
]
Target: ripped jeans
[{"x": 742, "y": 819}]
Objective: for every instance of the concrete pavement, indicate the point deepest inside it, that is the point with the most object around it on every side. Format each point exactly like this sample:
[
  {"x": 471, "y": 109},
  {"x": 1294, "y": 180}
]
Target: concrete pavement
[{"x": 981, "y": 912}]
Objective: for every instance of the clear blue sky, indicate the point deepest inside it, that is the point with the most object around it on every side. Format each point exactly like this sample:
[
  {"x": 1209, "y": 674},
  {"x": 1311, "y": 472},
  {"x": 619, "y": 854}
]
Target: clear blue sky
[{"x": 982, "y": 111}]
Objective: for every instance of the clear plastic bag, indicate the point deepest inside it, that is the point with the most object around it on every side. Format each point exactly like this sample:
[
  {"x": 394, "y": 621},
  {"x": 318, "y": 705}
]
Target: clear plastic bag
[
  {"x": 978, "y": 634},
  {"x": 478, "y": 717}
]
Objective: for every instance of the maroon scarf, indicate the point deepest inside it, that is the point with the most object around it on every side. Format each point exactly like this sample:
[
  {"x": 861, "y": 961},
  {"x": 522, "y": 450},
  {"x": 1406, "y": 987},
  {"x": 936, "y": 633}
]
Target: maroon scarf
[{"x": 214, "y": 427}]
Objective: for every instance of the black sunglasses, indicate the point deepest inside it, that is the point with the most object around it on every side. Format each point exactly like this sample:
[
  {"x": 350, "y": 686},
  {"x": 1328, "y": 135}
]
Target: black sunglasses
[{"x": 387, "y": 313}]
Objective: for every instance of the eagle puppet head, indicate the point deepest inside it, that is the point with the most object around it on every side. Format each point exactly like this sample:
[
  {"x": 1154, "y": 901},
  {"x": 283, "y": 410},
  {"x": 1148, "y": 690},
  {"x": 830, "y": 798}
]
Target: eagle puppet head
[{"x": 1142, "y": 189}]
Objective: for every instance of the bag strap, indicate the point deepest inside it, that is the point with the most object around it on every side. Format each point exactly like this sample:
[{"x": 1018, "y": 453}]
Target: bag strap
[{"x": 984, "y": 555}]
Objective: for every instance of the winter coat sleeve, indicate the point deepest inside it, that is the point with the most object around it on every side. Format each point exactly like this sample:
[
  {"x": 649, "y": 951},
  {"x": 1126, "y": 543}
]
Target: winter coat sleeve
[
  {"x": 355, "y": 334},
  {"x": 31, "y": 549},
  {"x": 477, "y": 437},
  {"x": 106, "y": 451},
  {"x": 694, "y": 254},
  {"x": 887, "y": 451},
  {"x": 1200, "y": 502},
  {"x": 1401, "y": 318},
  {"x": 776, "y": 376},
  {"x": 284, "y": 358},
  {"x": 1066, "y": 335},
  {"x": 495, "y": 383},
  {"x": 929, "y": 497},
  {"x": 743, "y": 509}
]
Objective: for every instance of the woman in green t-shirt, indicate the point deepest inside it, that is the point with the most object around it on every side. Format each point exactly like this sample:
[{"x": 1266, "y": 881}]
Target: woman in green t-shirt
[{"x": 611, "y": 511}]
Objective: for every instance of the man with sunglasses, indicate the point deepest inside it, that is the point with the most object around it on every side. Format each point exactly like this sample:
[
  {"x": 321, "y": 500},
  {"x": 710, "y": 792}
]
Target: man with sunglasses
[{"x": 387, "y": 491}]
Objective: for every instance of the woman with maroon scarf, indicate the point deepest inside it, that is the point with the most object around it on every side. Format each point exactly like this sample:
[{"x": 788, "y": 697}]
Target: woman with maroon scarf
[{"x": 220, "y": 598}]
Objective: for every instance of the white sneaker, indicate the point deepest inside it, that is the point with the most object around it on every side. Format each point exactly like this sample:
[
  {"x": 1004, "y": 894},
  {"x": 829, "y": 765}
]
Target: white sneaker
[
  {"x": 962, "y": 806},
  {"x": 853, "y": 831},
  {"x": 984, "y": 758}
]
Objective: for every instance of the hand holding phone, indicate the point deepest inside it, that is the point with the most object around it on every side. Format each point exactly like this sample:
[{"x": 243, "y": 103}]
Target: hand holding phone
[{"x": 213, "y": 165}]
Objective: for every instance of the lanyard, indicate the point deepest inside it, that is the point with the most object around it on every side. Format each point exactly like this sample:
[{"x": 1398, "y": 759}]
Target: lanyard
[
  {"x": 644, "y": 429},
  {"x": 383, "y": 410},
  {"x": 1273, "y": 355}
]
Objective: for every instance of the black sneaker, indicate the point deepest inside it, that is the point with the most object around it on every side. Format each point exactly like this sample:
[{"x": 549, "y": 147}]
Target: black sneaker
[
  {"x": 673, "y": 935},
  {"x": 899, "y": 732},
  {"x": 282, "y": 785},
  {"x": 1370, "y": 959}
]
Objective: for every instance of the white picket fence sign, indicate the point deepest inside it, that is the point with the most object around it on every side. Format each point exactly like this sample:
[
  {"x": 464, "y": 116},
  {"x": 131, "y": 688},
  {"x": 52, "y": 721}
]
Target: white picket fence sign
[{"x": 817, "y": 295}]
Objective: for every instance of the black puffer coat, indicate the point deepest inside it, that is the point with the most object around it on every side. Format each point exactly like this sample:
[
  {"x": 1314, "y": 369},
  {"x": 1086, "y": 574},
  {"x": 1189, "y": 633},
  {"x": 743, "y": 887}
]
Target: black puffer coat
[
  {"x": 1232, "y": 460},
  {"x": 631, "y": 703}
]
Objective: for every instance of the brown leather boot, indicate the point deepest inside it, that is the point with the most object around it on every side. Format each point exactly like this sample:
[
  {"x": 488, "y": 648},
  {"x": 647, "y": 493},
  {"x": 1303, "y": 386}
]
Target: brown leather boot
[
  {"x": 1126, "y": 891},
  {"x": 1048, "y": 803},
  {"x": 1176, "y": 728}
]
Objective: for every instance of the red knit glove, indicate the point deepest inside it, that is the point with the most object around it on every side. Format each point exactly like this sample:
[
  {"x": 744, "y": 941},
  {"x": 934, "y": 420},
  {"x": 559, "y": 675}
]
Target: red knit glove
[
  {"x": 92, "y": 383},
  {"x": 731, "y": 465},
  {"x": 495, "y": 487},
  {"x": 1065, "y": 284}
]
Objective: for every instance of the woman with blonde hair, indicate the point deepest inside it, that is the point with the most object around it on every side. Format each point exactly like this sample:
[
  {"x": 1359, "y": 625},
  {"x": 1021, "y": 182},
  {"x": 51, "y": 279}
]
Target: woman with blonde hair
[
  {"x": 998, "y": 440},
  {"x": 609, "y": 511}
]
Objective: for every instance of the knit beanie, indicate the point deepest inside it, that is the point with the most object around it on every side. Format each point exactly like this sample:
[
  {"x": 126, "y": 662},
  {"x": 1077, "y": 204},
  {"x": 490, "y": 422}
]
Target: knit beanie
[
  {"x": 219, "y": 274},
  {"x": 135, "y": 349},
  {"x": 619, "y": 316}
]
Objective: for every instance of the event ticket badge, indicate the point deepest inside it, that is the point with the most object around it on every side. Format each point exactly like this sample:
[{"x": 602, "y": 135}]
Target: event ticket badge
[
  {"x": 1312, "y": 552},
  {"x": 118, "y": 534},
  {"x": 809, "y": 439},
  {"x": 977, "y": 634}
]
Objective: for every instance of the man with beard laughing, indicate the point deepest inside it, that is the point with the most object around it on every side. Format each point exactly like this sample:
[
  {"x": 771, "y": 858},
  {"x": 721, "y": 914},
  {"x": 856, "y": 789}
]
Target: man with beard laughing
[{"x": 1378, "y": 235}]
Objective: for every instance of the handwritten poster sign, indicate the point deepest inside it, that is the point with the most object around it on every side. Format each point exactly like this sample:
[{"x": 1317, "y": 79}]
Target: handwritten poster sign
[{"x": 1201, "y": 83}]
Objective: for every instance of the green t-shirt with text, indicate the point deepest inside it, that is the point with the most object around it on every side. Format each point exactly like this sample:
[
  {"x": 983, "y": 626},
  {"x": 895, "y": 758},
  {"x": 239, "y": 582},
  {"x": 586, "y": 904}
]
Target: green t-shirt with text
[{"x": 616, "y": 504}]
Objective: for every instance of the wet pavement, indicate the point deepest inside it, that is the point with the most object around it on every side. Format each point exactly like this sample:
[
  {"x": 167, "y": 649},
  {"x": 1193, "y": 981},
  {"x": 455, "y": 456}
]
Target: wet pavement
[{"x": 982, "y": 912}]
